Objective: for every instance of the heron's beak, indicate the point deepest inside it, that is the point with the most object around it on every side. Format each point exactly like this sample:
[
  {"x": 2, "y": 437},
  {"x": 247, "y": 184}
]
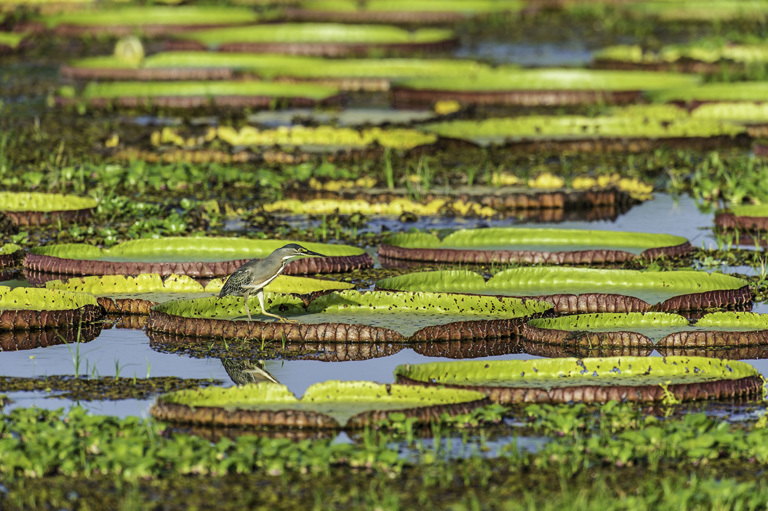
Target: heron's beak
[{"x": 309, "y": 253}]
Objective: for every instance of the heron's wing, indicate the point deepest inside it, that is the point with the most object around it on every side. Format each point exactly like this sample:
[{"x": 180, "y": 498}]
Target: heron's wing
[{"x": 234, "y": 284}]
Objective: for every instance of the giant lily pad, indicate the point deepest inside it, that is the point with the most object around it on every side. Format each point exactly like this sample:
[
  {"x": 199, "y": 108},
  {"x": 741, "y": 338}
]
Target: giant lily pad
[
  {"x": 750, "y": 217},
  {"x": 567, "y": 380},
  {"x": 317, "y": 39},
  {"x": 325, "y": 138},
  {"x": 714, "y": 92},
  {"x": 34, "y": 208},
  {"x": 136, "y": 295},
  {"x": 553, "y": 246},
  {"x": 716, "y": 11},
  {"x": 348, "y": 74},
  {"x": 574, "y": 290},
  {"x": 196, "y": 257},
  {"x": 511, "y": 86},
  {"x": 149, "y": 20},
  {"x": 25, "y": 308},
  {"x": 331, "y": 404},
  {"x": 10, "y": 255},
  {"x": 721, "y": 329},
  {"x": 630, "y": 126},
  {"x": 189, "y": 94},
  {"x": 398, "y": 11},
  {"x": 650, "y": 329},
  {"x": 351, "y": 316}
]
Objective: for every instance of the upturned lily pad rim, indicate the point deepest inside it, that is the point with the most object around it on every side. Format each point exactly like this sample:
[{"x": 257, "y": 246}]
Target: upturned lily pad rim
[
  {"x": 186, "y": 256},
  {"x": 109, "y": 285},
  {"x": 529, "y": 245},
  {"x": 157, "y": 15},
  {"x": 212, "y": 88},
  {"x": 548, "y": 282},
  {"x": 733, "y": 378},
  {"x": 44, "y": 202},
  {"x": 31, "y": 298},
  {"x": 467, "y": 238},
  {"x": 464, "y": 318},
  {"x": 349, "y": 300},
  {"x": 229, "y": 248},
  {"x": 308, "y": 33},
  {"x": 282, "y": 409},
  {"x": 583, "y": 369},
  {"x": 554, "y": 79}
]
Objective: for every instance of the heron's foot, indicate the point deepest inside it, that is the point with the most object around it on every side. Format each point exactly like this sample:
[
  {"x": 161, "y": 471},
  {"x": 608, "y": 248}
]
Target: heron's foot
[{"x": 288, "y": 320}]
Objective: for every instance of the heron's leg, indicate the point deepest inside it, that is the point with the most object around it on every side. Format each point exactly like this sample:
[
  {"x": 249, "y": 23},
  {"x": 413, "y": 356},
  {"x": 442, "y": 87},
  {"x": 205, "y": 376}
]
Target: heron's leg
[
  {"x": 260, "y": 295},
  {"x": 245, "y": 303}
]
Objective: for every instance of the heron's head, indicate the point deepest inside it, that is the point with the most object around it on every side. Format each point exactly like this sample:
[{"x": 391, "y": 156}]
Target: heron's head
[{"x": 294, "y": 250}]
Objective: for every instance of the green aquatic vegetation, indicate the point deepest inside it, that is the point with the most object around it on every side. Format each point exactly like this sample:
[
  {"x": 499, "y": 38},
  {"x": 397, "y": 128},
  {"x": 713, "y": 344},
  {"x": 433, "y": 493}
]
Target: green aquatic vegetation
[
  {"x": 112, "y": 90},
  {"x": 729, "y": 181},
  {"x": 553, "y": 79},
  {"x": 161, "y": 15},
  {"x": 336, "y": 33}
]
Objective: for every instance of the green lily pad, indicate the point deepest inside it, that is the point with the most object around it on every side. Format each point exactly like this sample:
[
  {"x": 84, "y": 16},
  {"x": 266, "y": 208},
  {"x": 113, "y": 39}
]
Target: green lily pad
[
  {"x": 11, "y": 39},
  {"x": 34, "y": 208},
  {"x": 156, "y": 15},
  {"x": 349, "y": 74},
  {"x": 136, "y": 295},
  {"x": 592, "y": 379},
  {"x": 714, "y": 11},
  {"x": 716, "y": 92},
  {"x": 197, "y": 257},
  {"x": 650, "y": 329},
  {"x": 599, "y": 290},
  {"x": 530, "y": 245},
  {"x": 149, "y": 90},
  {"x": 553, "y": 79},
  {"x": 24, "y": 308},
  {"x": 565, "y": 127},
  {"x": 330, "y": 404},
  {"x": 722, "y": 329},
  {"x": 326, "y": 137},
  {"x": 748, "y": 217},
  {"x": 350, "y": 316},
  {"x": 463, "y": 6},
  {"x": 310, "y": 33},
  {"x": 706, "y": 50}
]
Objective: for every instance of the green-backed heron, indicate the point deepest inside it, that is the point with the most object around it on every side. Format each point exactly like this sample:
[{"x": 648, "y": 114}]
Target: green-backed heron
[{"x": 254, "y": 275}]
